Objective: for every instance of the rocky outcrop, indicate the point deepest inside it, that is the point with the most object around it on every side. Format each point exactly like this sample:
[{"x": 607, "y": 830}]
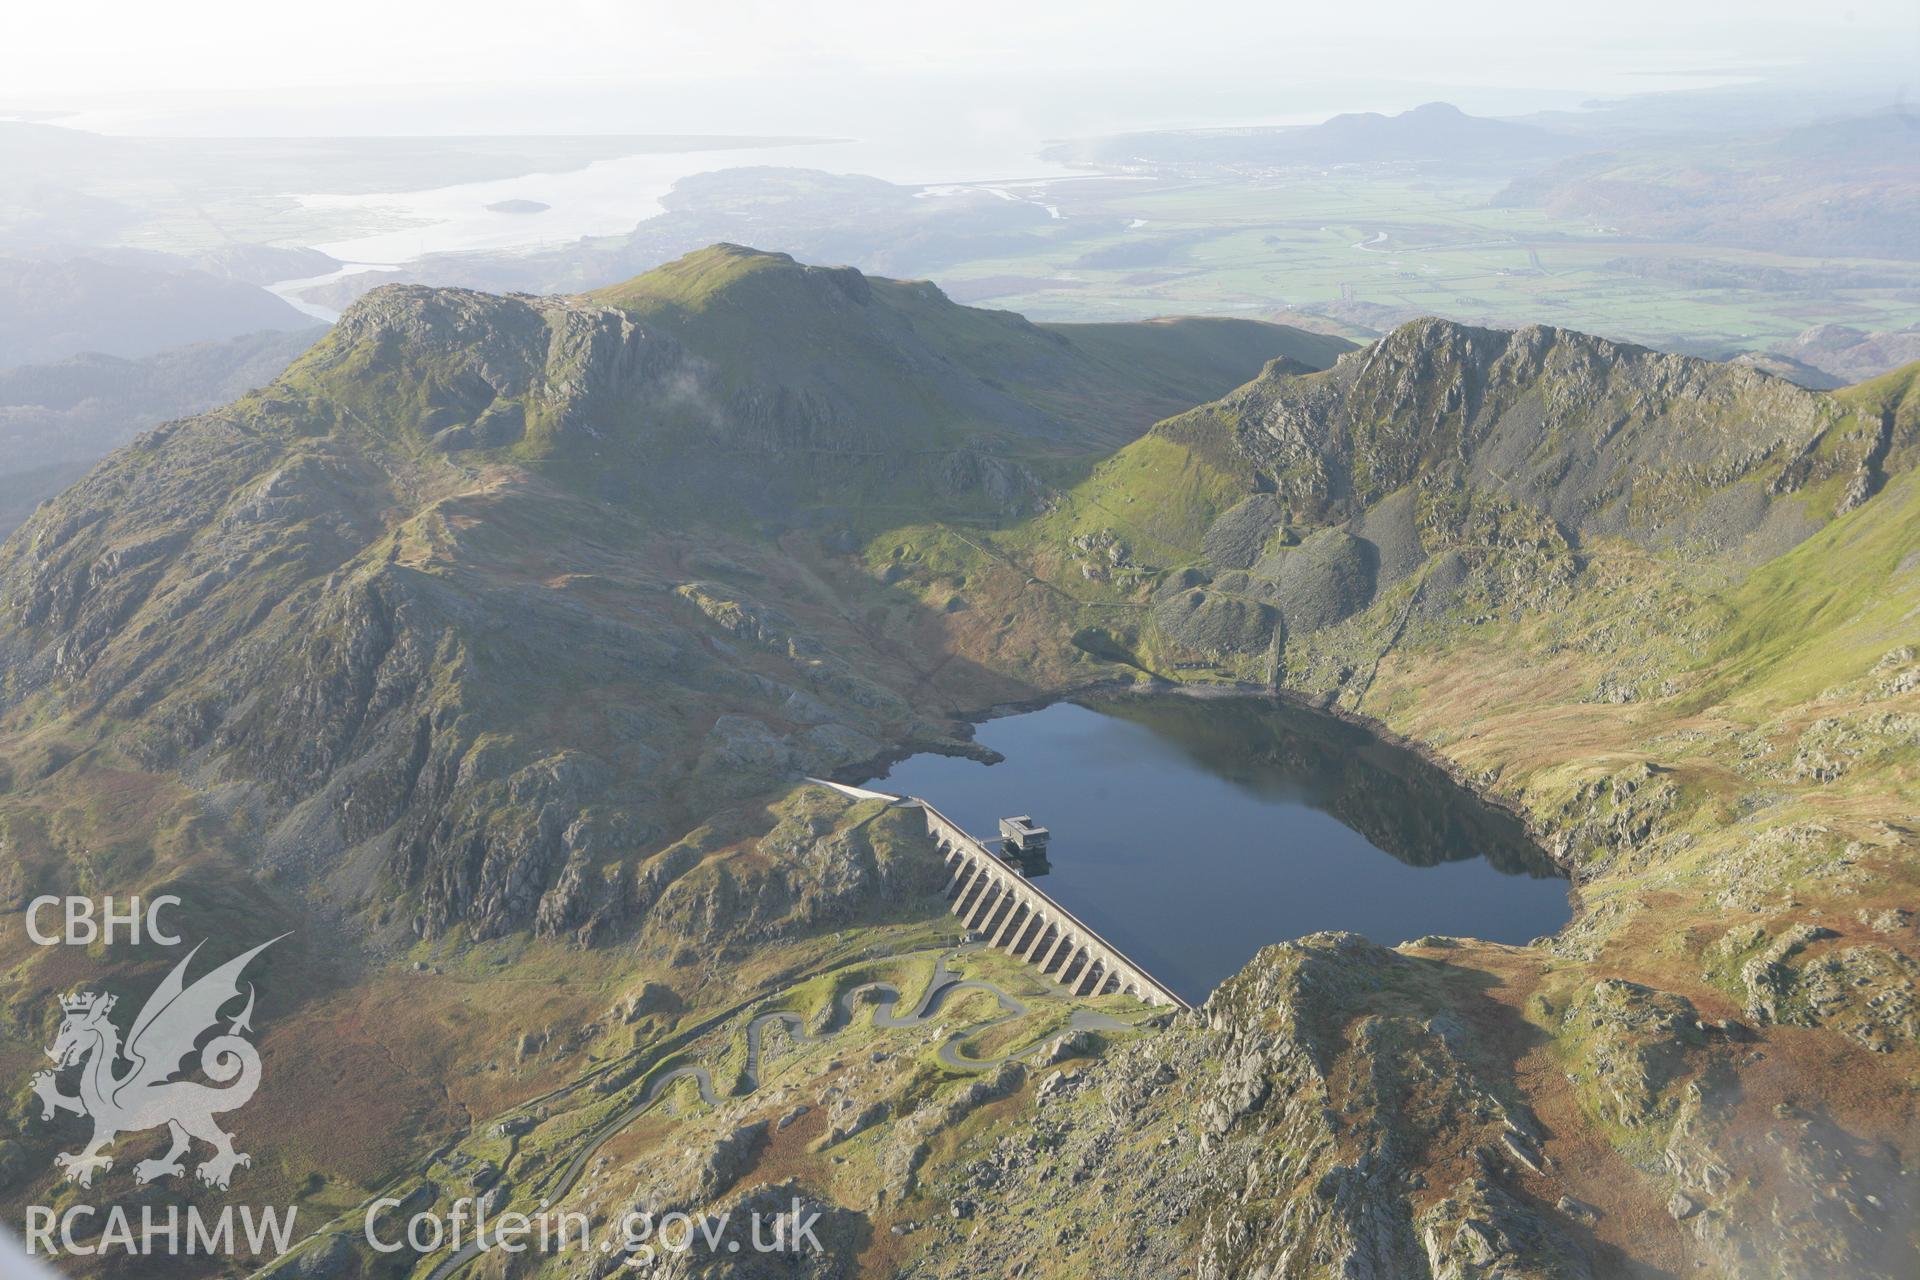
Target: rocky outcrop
[
  {"x": 1866, "y": 992},
  {"x": 726, "y": 1250},
  {"x": 823, "y": 865},
  {"x": 459, "y": 370},
  {"x": 1483, "y": 1230},
  {"x": 1636, "y": 1045},
  {"x": 1607, "y": 818},
  {"x": 1289, "y": 1126},
  {"x": 909, "y": 1142},
  {"x": 1602, "y": 438}
]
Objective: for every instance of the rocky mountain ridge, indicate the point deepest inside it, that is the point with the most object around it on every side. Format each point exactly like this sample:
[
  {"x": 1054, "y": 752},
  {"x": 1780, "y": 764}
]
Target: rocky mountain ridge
[{"x": 1442, "y": 447}]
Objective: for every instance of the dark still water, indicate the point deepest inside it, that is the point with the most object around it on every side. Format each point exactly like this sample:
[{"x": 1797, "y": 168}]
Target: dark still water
[{"x": 1194, "y": 832}]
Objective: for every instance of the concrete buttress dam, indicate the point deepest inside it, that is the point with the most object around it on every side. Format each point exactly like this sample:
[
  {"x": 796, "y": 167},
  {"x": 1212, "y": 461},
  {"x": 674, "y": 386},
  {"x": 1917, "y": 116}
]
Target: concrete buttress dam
[{"x": 1016, "y": 916}]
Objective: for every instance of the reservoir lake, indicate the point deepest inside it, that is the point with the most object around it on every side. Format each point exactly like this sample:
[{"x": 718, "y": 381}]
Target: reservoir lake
[{"x": 1192, "y": 832}]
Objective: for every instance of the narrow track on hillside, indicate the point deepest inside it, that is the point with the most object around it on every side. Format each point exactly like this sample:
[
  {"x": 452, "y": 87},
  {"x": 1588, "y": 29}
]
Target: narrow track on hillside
[{"x": 885, "y": 998}]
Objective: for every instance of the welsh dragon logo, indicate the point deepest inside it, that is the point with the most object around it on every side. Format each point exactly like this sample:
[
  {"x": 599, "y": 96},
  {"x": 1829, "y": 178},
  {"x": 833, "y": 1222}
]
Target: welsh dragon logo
[{"x": 143, "y": 1095}]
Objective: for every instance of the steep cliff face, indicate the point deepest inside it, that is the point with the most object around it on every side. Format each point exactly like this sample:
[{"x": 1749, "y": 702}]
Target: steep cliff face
[
  {"x": 1491, "y": 463},
  {"x": 451, "y": 370},
  {"x": 1603, "y": 438}
]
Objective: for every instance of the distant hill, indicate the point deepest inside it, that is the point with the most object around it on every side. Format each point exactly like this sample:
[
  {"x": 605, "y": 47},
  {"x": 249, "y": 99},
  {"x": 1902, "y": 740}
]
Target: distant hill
[
  {"x": 1842, "y": 354},
  {"x": 57, "y": 419},
  {"x": 51, "y": 309},
  {"x": 1845, "y": 187},
  {"x": 1437, "y": 133},
  {"x": 261, "y": 264}
]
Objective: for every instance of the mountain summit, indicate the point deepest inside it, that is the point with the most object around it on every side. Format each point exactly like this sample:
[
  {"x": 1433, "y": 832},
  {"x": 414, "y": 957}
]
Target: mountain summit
[{"x": 743, "y": 378}]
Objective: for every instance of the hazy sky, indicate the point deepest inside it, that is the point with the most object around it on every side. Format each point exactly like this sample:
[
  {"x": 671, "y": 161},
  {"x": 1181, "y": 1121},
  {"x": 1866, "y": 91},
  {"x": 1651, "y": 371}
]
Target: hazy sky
[{"x": 51, "y": 50}]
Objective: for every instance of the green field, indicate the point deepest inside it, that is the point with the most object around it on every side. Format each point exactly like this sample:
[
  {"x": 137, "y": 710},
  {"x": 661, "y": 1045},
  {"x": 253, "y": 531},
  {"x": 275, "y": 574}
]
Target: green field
[{"x": 1260, "y": 246}]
